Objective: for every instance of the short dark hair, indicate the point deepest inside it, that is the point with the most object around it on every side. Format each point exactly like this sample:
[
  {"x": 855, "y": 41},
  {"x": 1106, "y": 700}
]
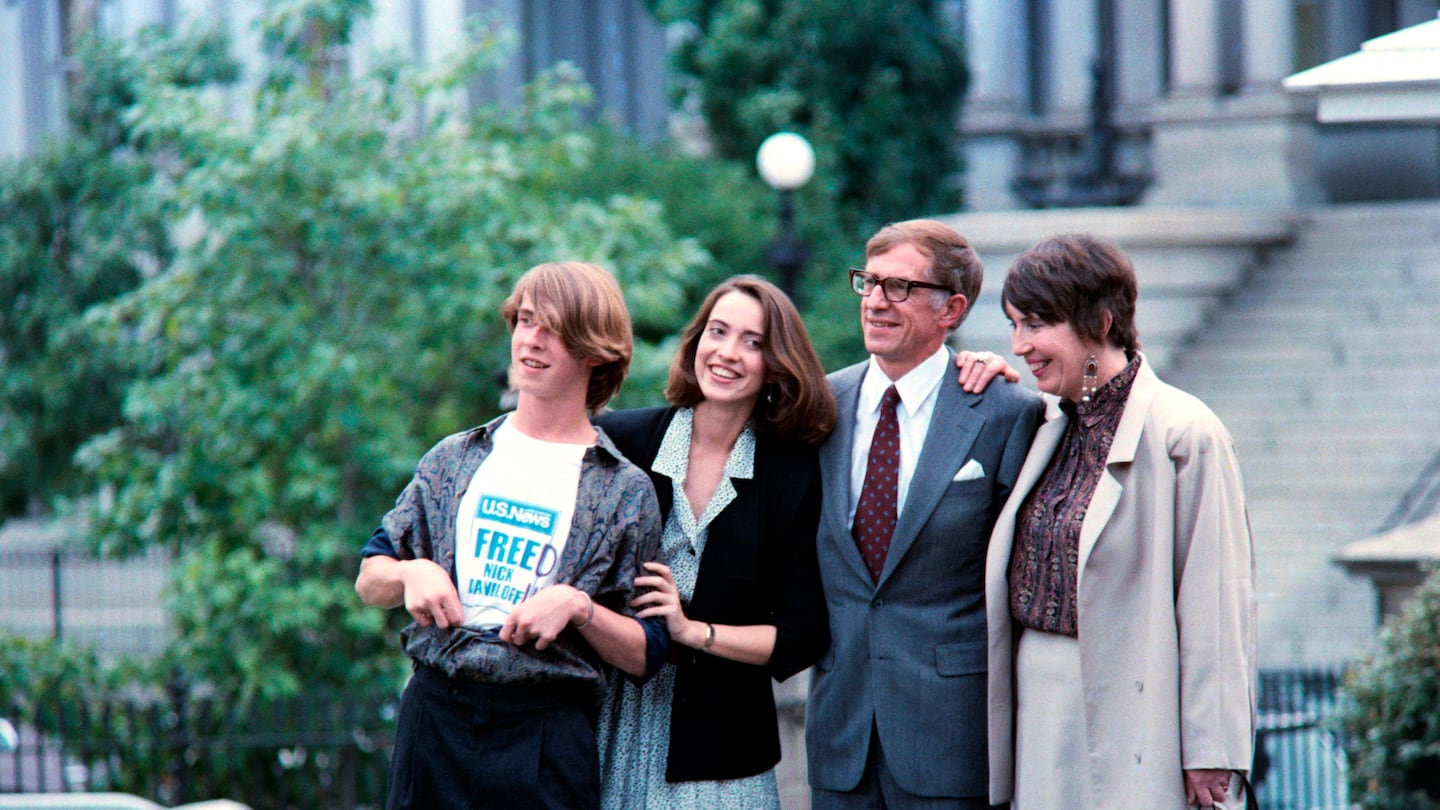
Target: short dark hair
[
  {"x": 796, "y": 400},
  {"x": 953, "y": 262},
  {"x": 1077, "y": 279}
]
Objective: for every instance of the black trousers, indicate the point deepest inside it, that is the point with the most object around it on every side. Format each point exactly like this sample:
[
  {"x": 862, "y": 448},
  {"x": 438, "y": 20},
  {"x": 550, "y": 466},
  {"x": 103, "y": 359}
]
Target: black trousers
[{"x": 461, "y": 745}]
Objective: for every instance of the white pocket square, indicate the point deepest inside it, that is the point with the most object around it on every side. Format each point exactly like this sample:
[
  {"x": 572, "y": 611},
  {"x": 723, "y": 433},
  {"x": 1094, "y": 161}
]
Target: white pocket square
[{"x": 971, "y": 471}]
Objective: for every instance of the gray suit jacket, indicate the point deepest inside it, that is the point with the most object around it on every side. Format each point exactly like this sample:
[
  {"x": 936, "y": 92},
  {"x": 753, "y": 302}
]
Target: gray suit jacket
[{"x": 908, "y": 655}]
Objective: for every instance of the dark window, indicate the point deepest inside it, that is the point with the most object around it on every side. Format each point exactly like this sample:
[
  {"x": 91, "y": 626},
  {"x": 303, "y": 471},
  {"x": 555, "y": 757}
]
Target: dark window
[
  {"x": 1037, "y": 26},
  {"x": 1230, "y": 26}
]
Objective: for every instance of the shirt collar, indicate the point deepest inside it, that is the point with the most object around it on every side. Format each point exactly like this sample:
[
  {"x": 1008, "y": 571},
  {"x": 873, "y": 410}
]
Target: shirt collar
[
  {"x": 484, "y": 436},
  {"x": 673, "y": 458},
  {"x": 916, "y": 386}
]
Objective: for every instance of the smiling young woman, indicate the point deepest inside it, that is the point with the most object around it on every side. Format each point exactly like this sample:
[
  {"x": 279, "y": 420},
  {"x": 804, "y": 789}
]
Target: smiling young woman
[{"x": 733, "y": 459}]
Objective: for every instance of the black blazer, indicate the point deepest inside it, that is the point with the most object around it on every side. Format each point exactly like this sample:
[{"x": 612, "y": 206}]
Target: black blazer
[{"x": 758, "y": 567}]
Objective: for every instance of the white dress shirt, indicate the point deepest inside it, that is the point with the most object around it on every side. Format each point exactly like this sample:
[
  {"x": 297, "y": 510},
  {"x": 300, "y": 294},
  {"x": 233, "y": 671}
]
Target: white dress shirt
[{"x": 917, "y": 391}]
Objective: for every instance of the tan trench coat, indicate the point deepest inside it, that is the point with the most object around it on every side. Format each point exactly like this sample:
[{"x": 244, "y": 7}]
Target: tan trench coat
[{"x": 1165, "y": 600}]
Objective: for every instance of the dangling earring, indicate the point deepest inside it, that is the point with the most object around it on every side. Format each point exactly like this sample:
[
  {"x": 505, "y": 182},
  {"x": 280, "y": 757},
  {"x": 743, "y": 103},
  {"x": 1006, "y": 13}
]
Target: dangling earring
[
  {"x": 1089, "y": 379},
  {"x": 770, "y": 394}
]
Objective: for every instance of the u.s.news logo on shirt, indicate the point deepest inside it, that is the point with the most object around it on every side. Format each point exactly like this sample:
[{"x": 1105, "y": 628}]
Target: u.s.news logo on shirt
[{"x": 520, "y": 515}]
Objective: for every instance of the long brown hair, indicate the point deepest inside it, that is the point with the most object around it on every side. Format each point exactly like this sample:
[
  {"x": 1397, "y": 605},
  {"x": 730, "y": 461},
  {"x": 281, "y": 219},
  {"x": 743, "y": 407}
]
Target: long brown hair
[{"x": 796, "y": 400}]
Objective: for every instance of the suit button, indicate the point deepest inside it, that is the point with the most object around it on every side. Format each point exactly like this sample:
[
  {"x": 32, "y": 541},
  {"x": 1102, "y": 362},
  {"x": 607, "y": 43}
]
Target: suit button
[{"x": 878, "y": 603}]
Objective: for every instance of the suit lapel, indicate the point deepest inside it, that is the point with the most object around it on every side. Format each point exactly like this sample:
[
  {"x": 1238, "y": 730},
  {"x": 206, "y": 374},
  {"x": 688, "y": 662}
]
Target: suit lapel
[
  {"x": 954, "y": 425},
  {"x": 835, "y": 469}
]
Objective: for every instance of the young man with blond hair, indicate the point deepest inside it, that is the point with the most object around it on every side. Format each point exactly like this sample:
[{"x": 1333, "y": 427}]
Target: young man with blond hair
[{"x": 514, "y": 548}]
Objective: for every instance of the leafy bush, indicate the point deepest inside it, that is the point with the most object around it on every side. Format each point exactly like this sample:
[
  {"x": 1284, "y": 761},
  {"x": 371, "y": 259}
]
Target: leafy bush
[
  {"x": 1391, "y": 711},
  {"x": 79, "y": 225},
  {"x": 139, "y": 728}
]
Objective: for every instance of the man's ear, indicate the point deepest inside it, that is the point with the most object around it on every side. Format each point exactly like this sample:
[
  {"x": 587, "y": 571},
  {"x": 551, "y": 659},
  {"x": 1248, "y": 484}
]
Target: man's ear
[{"x": 953, "y": 310}]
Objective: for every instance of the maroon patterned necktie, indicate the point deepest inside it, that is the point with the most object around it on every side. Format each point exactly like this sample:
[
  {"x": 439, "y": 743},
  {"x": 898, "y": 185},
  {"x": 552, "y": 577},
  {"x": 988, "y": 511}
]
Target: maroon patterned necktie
[{"x": 875, "y": 513}]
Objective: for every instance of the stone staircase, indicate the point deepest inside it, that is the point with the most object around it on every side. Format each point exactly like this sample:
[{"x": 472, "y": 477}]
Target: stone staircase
[{"x": 1325, "y": 365}]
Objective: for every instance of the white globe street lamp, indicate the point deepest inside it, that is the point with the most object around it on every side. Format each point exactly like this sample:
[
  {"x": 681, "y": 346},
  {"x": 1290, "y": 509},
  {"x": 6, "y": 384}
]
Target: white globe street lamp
[{"x": 786, "y": 162}]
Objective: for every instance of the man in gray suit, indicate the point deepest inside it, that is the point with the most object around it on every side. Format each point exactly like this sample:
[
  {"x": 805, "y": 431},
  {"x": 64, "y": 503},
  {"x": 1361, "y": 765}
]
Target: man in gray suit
[{"x": 897, "y": 713}]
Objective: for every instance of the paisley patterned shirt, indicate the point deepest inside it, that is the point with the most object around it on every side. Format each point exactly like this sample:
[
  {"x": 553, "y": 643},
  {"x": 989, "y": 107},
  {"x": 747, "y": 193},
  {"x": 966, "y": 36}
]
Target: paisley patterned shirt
[
  {"x": 1045, "y": 563},
  {"x": 615, "y": 529}
]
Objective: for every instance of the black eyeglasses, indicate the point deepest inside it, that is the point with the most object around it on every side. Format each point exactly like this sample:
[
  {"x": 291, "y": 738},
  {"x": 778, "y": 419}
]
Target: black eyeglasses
[{"x": 895, "y": 290}]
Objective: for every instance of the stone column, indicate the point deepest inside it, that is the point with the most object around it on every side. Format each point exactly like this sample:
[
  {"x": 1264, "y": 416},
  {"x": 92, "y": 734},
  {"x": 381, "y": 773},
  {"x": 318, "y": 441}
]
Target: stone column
[
  {"x": 1269, "y": 27},
  {"x": 1074, "y": 44},
  {"x": 995, "y": 40},
  {"x": 1194, "y": 48},
  {"x": 1253, "y": 147}
]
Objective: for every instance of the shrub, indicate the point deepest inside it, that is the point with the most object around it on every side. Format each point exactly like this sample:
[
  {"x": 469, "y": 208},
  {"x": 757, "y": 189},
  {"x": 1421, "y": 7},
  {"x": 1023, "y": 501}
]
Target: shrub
[{"x": 1391, "y": 711}]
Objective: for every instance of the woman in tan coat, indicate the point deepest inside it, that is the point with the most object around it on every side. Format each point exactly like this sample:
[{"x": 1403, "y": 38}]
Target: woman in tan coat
[{"x": 1120, "y": 580}]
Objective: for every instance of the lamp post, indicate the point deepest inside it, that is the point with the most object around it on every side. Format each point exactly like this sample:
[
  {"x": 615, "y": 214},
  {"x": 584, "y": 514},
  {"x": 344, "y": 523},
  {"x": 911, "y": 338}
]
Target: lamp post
[{"x": 786, "y": 161}]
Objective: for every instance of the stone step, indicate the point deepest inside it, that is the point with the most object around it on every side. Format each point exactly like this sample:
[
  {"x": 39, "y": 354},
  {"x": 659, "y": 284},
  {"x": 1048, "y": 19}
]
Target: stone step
[
  {"x": 1374, "y": 343},
  {"x": 1254, "y": 439},
  {"x": 1307, "y": 292},
  {"x": 1321, "y": 397},
  {"x": 1258, "y": 432},
  {"x": 1258, "y": 318},
  {"x": 1375, "y": 474},
  {"x": 1369, "y": 478},
  {"x": 1365, "y": 217},
  {"x": 1312, "y": 381},
  {"x": 1358, "y": 271},
  {"x": 1249, "y": 365},
  {"x": 1352, "y": 515},
  {"x": 1262, "y": 461}
]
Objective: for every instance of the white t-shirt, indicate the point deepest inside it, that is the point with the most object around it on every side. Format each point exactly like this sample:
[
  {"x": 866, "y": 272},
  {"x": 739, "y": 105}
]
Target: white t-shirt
[{"x": 513, "y": 522}]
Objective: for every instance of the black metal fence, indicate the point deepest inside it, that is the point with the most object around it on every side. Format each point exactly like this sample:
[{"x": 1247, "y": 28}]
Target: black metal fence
[
  {"x": 302, "y": 754},
  {"x": 333, "y": 754},
  {"x": 1300, "y": 759}
]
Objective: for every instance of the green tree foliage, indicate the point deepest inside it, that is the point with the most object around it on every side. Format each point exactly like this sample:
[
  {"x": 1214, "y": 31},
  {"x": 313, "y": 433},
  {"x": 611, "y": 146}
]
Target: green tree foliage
[
  {"x": 723, "y": 206},
  {"x": 331, "y": 309},
  {"x": 78, "y": 225},
  {"x": 253, "y": 305},
  {"x": 875, "y": 85},
  {"x": 144, "y": 728},
  {"x": 1391, "y": 711}
]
